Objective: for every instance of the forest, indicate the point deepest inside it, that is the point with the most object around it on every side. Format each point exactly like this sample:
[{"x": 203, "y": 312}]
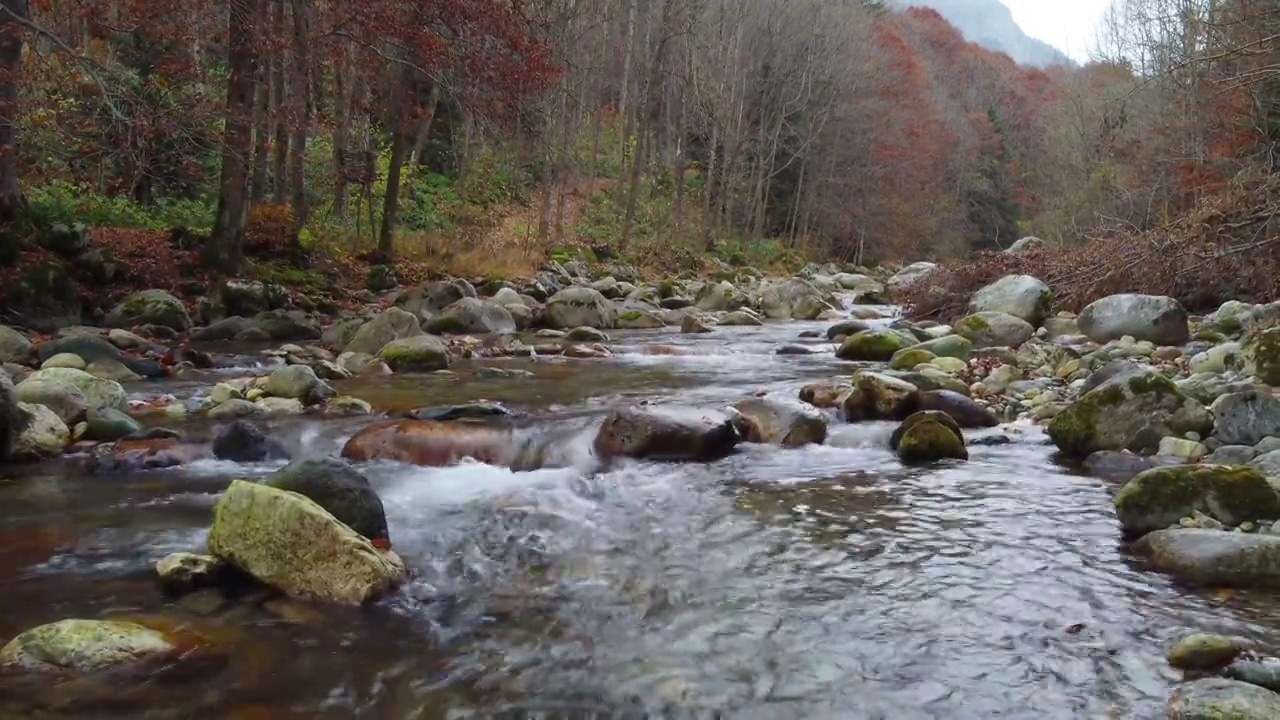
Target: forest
[{"x": 480, "y": 137}]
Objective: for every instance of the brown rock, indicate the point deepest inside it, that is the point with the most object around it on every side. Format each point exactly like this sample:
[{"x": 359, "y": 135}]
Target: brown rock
[{"x": 671, "y": 433}]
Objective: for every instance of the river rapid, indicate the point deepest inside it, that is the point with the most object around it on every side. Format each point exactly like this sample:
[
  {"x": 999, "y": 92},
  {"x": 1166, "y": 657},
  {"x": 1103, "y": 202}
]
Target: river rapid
[{"x": 823, "y": 582}]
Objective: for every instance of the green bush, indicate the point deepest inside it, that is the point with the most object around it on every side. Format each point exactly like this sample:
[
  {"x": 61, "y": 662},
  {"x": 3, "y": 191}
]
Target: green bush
[{"x": 66, "y": 202}]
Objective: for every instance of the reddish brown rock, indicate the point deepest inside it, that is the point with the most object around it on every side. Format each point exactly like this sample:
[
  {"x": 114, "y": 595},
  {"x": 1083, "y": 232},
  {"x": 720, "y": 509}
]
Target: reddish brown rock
[
  {"x": 672, "y": 434},
  {"x": 431, "y": 443},
  {"x": 151, "y": 454}
]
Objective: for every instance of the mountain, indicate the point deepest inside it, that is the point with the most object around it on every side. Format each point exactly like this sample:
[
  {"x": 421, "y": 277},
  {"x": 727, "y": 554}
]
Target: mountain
[{"x": 990, "y": 24}]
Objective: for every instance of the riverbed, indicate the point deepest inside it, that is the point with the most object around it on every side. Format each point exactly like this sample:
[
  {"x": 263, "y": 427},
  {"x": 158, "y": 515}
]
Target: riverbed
[{"x": 822, "y": 582}]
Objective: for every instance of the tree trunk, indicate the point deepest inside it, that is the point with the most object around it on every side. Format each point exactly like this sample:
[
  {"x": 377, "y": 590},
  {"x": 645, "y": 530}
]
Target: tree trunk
[
  {"x": 11, "y": 200},
  {"x": 302, "y": 113},
  {"x": 342, "y": 135},
  {"x": 233, "y": 197},
  {"x": 391, "y": 204},
  {"x": 262, "y": 132},
  {"x": 280, "y": 173}
]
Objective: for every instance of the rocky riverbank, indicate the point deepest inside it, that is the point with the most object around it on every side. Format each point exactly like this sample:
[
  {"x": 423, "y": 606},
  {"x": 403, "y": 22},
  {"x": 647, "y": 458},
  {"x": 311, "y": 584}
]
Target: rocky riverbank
[{"x": 1181, "y": 412}]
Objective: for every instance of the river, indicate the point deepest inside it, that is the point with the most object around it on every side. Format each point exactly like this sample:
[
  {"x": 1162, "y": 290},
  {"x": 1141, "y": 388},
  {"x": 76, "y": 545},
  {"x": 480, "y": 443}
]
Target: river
[{"x": 824, "y": 582}]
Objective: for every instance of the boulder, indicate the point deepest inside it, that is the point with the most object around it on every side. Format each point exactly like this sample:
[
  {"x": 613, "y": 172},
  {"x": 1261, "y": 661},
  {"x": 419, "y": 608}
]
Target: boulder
[
  {"x": 1206, "y": 652},
  {"x": 1262, "y": 672},
  {"x": 1021, "y": 296},
  {"x": 1221, "y": 699},
  {"x": 381, "y": 278},
  {"x": 1182, "y": 449},
  {"x": 586, "y": 334},
  {"x": 1123, "y": 409},
  {"x": 693, "y": 325},
  {"x": 1246, "y": 418},
  {"x": 340, "y": 334},
  {"x": 224, "y": 329},
  {"x": 298, "y": 382},
  {"x": 1261, "y": 349},
  {"x": 949, "y": 346},
  {"x": 1215, "y": 558},
  {"x": 340, "y": 489},
  {"x": 507, "y": 297},
  {"x": 718, "y": 297},
  {"x": 281, "y": 325},
  {"x": 665, "y": 434},
  {"x": 1157, "y": 319},
  {"x": 793, "y": 299},
  {"x": 847, "y": 328},
  {"x": 108, "y": 424},
  {"x": 580, "y": 306},
  {"x": 43, "y": 385},
  {"x": 637, "y": 319},
  {"x": 472, "y": 316},
  {"x": 392, "y": 324},
  {"x": 928, "y": 436},
  {"x": 779, "y": 422},
  {"x": 876, "y": 396},
  {"x": 250, "y": 297},
  {"x": 420, "y": 353},
  {"x": 864, "y": 288},
  {"x": 740, "y": 318},
  {"x": 910, "y": 358},
  {"x": 181, "y": 573},
  {"x": 89, "y": 347},
  {"x": 965, "y": 411},
  {"x": 871, "y": 345},
  {"x": 43, "y": 434},
  {"x": 1025, "y": 244},
  {"x": 83, "y": 645},
  {"x": 1268, "y": 464},
  {"x": 825, "y": 394},
  {"x": 14, "y": 346},
  {"x": 242, "y": 442},
  {"x": 289, "y": 542},
  {"x": 150, "y": 307},
  {"x": 234, "y": 408},
  {"x": 1160, "y": 497},
  {"x": 910, "y": 275},
  {"x": 994, "y": 329}
]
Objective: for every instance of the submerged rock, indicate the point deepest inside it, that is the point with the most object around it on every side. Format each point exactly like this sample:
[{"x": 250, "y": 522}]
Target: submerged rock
[
  {"x": 183, "y": 572},
  {"x": 1219, "y": 699},
  {"x": 965, "y": 411},
  {"x": 151, "y": 454},
  {"x": 779, "y": 422},
  {"x": 1206, "y": 652},
  {"x": 468, "y": 411},
  {"x": 109, "y": 424},
  {"x": 1215, "y": 558},
  {"x": 289, "y": 542},
  {"x": 1160, "y": 497},
  {"x": 668, "y": 434},
  {"x": 340, "y": 489},
  {"x": 83, "y": 645}
]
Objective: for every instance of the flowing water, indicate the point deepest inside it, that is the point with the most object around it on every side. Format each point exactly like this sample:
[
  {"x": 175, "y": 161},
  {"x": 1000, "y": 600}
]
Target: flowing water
[{"x": 824, "y": 582}]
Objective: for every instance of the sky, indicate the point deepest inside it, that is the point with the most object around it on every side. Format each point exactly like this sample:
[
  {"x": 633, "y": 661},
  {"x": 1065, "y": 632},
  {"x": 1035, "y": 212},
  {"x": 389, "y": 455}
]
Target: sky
[{"x": 1069, "y": 25}]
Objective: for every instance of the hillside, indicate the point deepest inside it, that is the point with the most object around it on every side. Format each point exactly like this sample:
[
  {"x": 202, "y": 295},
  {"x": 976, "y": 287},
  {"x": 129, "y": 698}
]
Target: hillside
[{"x": 990, "y": 24}]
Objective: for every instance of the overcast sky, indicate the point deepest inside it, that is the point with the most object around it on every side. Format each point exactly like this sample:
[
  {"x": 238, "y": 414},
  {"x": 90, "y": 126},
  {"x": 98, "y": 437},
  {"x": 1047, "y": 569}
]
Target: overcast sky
[{"x": 1069, "y": 25}]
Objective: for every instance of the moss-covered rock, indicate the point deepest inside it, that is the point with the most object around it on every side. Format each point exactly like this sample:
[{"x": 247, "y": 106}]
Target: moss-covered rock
[
  {"x": 578, "y": 307},
  {"x": 636, "y": 319},
  {"x": 1261, "y": 350},
  {"x": 183, "y": 572},
  {"x": 150, "y": 307},
  {"x": 43, "y": 434},
  {"x": 994, "y": 329},
  {"x": 909, "y": 358},
  {"x": 1220, "y": 699},
  {"x": 877, "y": 396},
  {"x": 289, "y": 542},
  {"x": 97, "y": 392},
  {"x": 392, "y": 324},
  {"x": 1112, "y": 416},
  {"x": 949, "y": 346},
  {"x": 871, "y": 345},
  {"x": 14, "y": 346},
  {"x": 297, "y": 382},
  {"x": 421, "y": 353},
  {"x": 1160, "y": 497},
  {"x": 928, "y": 436},
  {"x": 83, "y": 645},
  {"x": 1204, "y": 651}
]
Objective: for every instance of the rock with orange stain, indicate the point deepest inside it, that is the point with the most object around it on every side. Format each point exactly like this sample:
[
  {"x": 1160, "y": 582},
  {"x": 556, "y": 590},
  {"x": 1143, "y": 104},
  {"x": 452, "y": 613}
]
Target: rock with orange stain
[
  {"x": 153, "y": 454},
  {"x": 432, "y": 444}
]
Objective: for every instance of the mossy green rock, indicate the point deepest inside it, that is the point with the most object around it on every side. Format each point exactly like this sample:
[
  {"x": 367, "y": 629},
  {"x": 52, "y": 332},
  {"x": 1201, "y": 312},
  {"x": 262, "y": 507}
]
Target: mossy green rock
[
  {"x": 949, "y": 346},
  {"x": 580, "y": 306},
  {"x": 110, "y": 424},
  {"x": 82, "y": 645},
  {"x": 297, "y": 382},
  {"x": 1261, "y": 350},
  {"x": 97, "y": 392},
  {"x": 150, "y": 307},
  {"x": 636, "y": 319},
  {"x": 929, "y": 436},
  {"x": 1114, "y": 414},
  {"x": 1160, "y": 497},
  {"x": 909, "y": 358},
  {"x": 14, "y": 346},
  {"x": 392, "y": 324},
  {"x": 421, "y": 353},
  {"x": 877, "y": 396},
  {"x": 1220, "y": 699},
  {"x": 994, "y": 329},
  {"x": 289, "y": 542},
  {"x": 871, "y": 345},
  {"x": 1204, "y": 651}
]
